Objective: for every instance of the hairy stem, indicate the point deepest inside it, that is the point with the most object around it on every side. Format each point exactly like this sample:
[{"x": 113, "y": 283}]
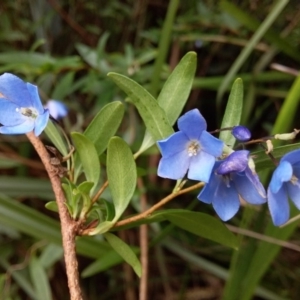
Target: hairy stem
[{"x": 69, "y": 227}]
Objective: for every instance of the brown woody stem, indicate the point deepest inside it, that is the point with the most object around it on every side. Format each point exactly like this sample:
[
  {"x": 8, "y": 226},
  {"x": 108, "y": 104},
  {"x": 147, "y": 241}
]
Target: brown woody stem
[{"x": 69, "y": 227}]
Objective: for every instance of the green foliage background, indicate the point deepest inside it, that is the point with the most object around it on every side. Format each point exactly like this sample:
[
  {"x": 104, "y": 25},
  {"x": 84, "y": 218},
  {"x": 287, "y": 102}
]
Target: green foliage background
[{"x": 67, "y": 48}]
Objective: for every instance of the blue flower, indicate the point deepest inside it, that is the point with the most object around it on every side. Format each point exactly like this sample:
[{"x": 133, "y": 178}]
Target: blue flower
[
  {"x": 21, "y": 110},
  {"x": 283, "y": 185},
  {"x": 191, "y": 149},
  {"x": 241, "y": 133},
  {"x": 231, "y": 180},
  {"x": 56, "y": 109}
]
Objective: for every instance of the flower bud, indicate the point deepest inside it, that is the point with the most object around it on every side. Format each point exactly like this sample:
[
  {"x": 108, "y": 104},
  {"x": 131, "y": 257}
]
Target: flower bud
[
  {"x": 241, "y": 133},
  {"x": 287, "y": 136},
  {"x": 235, "y": 162}
]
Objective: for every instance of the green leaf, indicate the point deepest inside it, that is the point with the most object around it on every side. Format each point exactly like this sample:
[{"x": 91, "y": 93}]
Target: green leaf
[
  {"x": 52, "y": 205},
  {"x": 124, "y": 251},
  {"x": 102, "y": 228},
  {"x": 203, "y": 225},
  {"x": 233, "y": 112},
  {"x": 104, "y": 125},
  {"x": 175, "y": 93},
  {"x": 63, "y": 87},
  {"x": 262, "y": 160},
  {"x": 121, "y": 174},
  {"x": 288, "y": 110},
  {"x": 105, "y": 262},
  {"x": 88, "y": 157},
  {"x": 152, "y": 114},
  {"x": 85, "y": 187},
  {"x": 21, "y": 278},
  {"x": 272, "y": 36},
  {"x": 264, "y": 256},
  {"x": 51, "y": 254},
  {"x": 39, "y": 279},
  {"x": 56, "y": 138},
  {"x": 35, "y": 224},
  {"x": 27, "y": 187},
  {"x": 264, "y": 26},
  {"x": 177, "y": 88}
]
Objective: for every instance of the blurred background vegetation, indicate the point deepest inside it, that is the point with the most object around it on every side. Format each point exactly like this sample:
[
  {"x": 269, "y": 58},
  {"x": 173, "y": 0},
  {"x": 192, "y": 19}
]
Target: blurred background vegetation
[{"x": 67, "y": 48}]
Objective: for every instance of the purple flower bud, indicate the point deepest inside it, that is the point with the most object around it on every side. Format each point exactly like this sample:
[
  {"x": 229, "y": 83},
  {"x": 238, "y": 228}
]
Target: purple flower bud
[
  {"x": 241, "y": 133},
  {"x": 235, "y": 162},
  {"x": 56, "y": 109}
]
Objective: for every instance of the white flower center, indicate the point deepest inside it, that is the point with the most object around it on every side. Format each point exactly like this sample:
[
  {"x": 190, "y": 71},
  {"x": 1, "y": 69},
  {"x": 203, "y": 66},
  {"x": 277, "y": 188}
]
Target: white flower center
[
  {"x": 294, "y": 180},
  {"x": 193, "y": 148},
  {"x": 28, "y": 112}
]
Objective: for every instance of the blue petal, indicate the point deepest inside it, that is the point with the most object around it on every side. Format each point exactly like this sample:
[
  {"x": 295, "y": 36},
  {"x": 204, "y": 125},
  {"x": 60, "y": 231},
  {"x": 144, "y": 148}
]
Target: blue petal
[
  {"x": 201, "y": 166},
  {"x": 254, "y": 179},
  {"x": 192, "y": 124},
  {"x": 247, "y": 190},
  {"x": 210, "y": 144},
  {"x": 226, "y": 202},
  {"x": 174, "y": 167},
  {"x": 18, "y": 129},
  {"x": 14, "y": 89},
  {"x": 9, "y": 115},
  {"x": 208, "y": 192},
  {"x": 241, "y": 133},
  {"x": 235, "y": 162},
  {"x": 41, "y": 122},
  {"x": 292, "y": 157},
  {"x": 224, "y": 198},
  {"x": 294, "y": 192},
  {"x": 56, "y": 109},
  {"x": 175, "y": 143},
  {"x": 282, "y": 173},
  {"x": 35, "y": 98},
  {"x": 279, "y": 206}
]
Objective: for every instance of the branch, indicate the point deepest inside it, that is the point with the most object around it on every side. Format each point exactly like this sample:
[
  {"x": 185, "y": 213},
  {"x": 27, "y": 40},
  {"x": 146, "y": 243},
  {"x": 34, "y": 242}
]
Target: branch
[{"x": 69, "y": 227}]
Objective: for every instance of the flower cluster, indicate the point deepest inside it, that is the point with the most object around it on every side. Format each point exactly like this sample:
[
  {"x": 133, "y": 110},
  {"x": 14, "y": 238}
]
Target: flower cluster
[
  {"x": 21, "y": 107},
  {"x": 194, "y": 152}
]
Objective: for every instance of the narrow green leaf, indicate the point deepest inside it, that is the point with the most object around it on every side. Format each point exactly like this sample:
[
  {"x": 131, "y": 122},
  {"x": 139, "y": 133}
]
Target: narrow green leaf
[
  {"x": 288, "y": 110},
  {"x": 124, "y": 251},
  {"x": 105, "y": 262},
  {"x": 152, "y": 114},
  {"x": 203, "y": 225},
  {"x": 175, "y": 93},
  {"x": 52, "y": 205},
  {"x": 56, "y": 138},
  {"x": 102, "y": 227},
  {"x": 233, "y": 112},
  {"x": 262, "y": 160},
  {"x": 121, "y": 174},
  {"x": 104, "y": 125},
  {"x": 264, "y": 256},
  {"x": 63, "y": 87},
  {"x": 33, "y": 223},
  {"x": 20, "y": 277},
  {"x": 85, "y": 187},
  {"x": 50, "y": 255},
  {"x": 27, "y": 187},
  {"x": 39, "y": 279},
  {"x": 243, "y": 56},
  {"x": 164, "y": 44},
  {"x": 177, "y": 88},
  {"x": 272, "y": 36},
  {"x": 88, "y": 157}
]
